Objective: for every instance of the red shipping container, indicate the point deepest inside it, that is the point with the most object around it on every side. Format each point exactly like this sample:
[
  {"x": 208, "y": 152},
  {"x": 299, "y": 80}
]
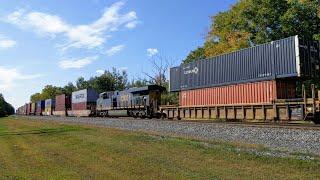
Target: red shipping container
[
  {"x": 246, "y": 93},
  {"x": 63, "y": 102},
  {"x": 30, "y": 109},
  {"x": 83, "y": 106},
  {"x": 79, "y": 106},
  {"x": 26, "y": 109}
]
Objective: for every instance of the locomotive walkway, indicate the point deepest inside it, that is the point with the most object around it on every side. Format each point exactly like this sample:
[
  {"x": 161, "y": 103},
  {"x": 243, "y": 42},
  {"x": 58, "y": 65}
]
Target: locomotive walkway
[{"x": 284, "y": 139}]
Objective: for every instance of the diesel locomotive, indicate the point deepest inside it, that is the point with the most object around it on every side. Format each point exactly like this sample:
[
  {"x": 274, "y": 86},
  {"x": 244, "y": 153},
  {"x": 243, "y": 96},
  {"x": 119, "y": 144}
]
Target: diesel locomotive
[{"x": 142, "y": 102}]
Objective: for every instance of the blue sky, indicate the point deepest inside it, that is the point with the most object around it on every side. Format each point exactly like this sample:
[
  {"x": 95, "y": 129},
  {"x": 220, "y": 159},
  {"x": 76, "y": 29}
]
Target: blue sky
[{"x": 55, "y": 42}]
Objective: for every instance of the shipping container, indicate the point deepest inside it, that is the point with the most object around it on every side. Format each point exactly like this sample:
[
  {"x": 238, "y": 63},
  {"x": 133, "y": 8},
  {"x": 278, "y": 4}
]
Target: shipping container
[
  {"x": 40, "y": 107},
  {"x": 85, "y": 95},
  {"x": 33, "y": 109},
  {"x": 20, "y": 110},
  {"x": 28, "y": 108},
  {"x": 83, "y": 102},
  {"x": 25, "y": 109},
  {"x": 286, "y": 58},
  {"x": 63, "y": 104},
  {"x": 245, "y": 93},
  {"x": 49, "y": 107}
]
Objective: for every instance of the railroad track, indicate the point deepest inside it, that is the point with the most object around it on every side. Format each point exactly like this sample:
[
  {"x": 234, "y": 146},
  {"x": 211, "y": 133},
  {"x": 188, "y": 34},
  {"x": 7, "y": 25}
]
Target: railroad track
[{"x": 308, "y": 126}]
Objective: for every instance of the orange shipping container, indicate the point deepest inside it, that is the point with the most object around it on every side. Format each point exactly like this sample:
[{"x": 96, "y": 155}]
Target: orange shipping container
[{"x": 246, "y": 93}]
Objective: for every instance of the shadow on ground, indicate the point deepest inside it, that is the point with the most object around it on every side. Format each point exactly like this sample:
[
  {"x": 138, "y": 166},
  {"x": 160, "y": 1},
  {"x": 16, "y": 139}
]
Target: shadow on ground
[{"x": 45, "y": 131}]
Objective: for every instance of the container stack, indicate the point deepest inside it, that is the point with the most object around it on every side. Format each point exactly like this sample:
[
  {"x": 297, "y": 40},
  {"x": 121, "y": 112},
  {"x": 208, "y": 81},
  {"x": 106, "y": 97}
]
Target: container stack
[
  {"x": 40, "y": 108},
  {"x": 28, "y": 108},
  {"x": 260, "y": 74},
  {"x": 83, "y": 102},
  {"x": 63, "y": 104},
  {"x": 49, "y": 107},
  {"x": 33, "y": 109}
]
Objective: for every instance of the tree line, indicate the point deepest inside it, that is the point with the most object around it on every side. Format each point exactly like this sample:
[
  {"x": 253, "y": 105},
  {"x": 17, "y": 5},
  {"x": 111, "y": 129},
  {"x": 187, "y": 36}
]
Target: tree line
[
  {"x": 251, "y": 22},
  {"x": 108, "y": 81},
  {"x": 5, "y": 108}
]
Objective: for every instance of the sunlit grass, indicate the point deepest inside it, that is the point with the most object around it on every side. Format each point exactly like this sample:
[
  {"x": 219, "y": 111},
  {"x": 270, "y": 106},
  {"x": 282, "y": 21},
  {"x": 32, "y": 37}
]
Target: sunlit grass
[{"x": 47, "y": 150}]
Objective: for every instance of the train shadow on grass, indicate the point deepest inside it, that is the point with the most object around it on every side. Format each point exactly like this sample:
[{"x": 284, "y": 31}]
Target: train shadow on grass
[{"x": 44, "y": 131}]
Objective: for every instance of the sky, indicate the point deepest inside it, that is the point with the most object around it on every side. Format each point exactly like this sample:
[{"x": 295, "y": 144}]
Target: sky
[{"x": 54, "y": 42}]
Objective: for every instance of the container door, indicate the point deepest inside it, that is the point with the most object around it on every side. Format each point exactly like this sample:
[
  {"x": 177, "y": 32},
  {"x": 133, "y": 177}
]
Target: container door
[{"x": 309, "y": 53}]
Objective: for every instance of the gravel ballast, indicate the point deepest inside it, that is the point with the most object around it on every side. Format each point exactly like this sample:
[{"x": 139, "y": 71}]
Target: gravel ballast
[{"x": 286, "y": 139}]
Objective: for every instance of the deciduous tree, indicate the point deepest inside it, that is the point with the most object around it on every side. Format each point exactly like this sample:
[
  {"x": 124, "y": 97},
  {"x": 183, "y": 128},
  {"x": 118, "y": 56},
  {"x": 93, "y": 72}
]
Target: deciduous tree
[
  {"x": 5, "y": 108},
  {"x": 251, "y": 22}
]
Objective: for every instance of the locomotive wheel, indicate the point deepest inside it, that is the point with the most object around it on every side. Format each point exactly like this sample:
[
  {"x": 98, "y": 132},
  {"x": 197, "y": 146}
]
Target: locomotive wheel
[
  {"x": 163, "y": 116},
  {"x": 316, "y": 119},
  {"x": 142, "y": 116},
  {"x": 157, "y": 115}
]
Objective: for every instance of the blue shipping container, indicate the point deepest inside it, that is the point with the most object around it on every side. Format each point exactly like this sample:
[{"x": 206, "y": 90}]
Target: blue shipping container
[{"x": 289, "y": 57}]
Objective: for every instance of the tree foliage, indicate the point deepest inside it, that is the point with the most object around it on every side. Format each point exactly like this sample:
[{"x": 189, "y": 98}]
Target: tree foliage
[
  {"x": 5, "y": 108},
  {"x": 196, "y": 54},
  {"x": 252, "y": 22},
  {"x": 69, "y": 88},
  {"x": 48, "y": 92},
  {"x": 169, "y": 98},
  {"x": 108, "y": 81},
  {"x": 138, "y": 83},
  {"x": 269, "y": 20}
]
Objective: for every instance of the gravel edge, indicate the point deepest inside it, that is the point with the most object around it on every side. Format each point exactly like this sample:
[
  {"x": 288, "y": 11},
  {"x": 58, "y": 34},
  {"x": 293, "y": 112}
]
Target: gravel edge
[{"x": 279, "y": 139}]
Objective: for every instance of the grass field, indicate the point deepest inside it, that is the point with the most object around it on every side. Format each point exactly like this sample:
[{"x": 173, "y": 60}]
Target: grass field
[{"x": 45, "y": 150}]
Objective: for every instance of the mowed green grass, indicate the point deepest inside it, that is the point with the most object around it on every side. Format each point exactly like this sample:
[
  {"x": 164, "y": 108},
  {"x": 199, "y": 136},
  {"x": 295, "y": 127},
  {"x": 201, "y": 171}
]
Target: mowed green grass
[{"x": 47, "y": 150}]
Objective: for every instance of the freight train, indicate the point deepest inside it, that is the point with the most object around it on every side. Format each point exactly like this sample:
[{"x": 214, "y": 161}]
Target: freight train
[
  {"x": 256, "y": 83},
  {"x": 142, "y": 102}
]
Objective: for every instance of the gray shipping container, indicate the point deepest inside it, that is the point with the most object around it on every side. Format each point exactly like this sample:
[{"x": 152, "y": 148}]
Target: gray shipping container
[
  {"x": 85, "y": 95},
  {"x": 289, "y": 57}
]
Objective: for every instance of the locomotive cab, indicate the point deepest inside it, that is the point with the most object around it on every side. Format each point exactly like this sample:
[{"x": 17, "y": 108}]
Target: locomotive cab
[{"x": 148, "y": 97}]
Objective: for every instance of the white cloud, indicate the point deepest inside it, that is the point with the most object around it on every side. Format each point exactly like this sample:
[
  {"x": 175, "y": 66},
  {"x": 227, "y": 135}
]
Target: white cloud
[
  {"x": 76, "y": 63},
  {"x": 152, "y": 51},
  {"x": 38, "y": 21},
  {"x": 100, "y": 71},
  {"x": 6, "y": 43},
  {"x": 79, "y": 36},
  {"x": 10, "y": 76},
  {"x": 132, "y": 24},
  {"x": 115, "y": 49}
]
